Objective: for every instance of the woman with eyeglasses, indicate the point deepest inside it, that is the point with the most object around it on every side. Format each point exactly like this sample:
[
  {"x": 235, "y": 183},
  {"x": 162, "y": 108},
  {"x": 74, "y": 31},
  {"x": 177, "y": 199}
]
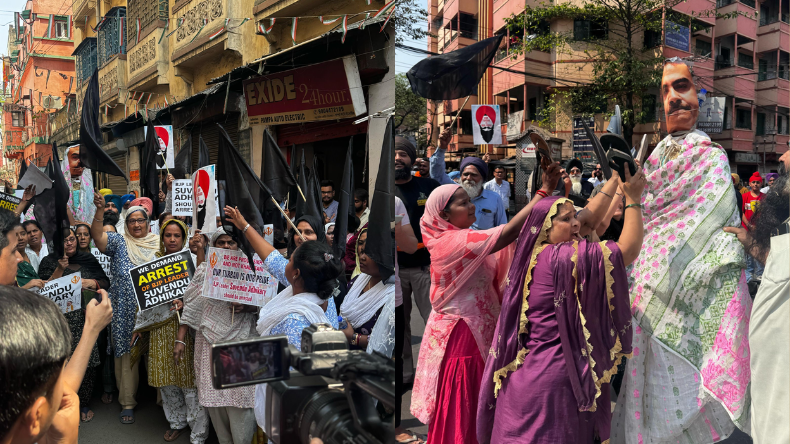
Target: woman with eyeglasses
[
  {"x": 136, "y": 246},
  {"x": 93, "y": 278}
]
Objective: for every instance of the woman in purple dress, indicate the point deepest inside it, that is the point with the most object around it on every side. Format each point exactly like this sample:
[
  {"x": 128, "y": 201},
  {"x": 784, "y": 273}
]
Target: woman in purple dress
[{"x": 563, "y": 328}]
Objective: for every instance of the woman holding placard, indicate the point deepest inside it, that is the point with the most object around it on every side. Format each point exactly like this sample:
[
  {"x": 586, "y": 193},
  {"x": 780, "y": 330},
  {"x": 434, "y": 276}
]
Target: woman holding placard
[
  {"x": 175, "y": 379},
  {"x": 217, "y": 321},
  {"x": 136, "y": 246},
  {"x": 93, "y": 278}
]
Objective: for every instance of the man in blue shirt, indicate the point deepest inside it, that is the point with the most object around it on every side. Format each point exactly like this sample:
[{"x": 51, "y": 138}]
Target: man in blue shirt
[{"x": 488, "y": 205}]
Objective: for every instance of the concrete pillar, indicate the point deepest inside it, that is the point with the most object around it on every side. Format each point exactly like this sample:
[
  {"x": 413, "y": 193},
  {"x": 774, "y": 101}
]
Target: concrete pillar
[{"x": 380, "y": 97}]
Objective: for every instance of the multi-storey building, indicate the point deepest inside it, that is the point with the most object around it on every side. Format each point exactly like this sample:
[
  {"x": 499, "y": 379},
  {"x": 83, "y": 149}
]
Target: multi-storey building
[
  {"x": 38, "y": 73},
  {"x": 182, "y": 63},
  {"x": 742, "y": 59}
]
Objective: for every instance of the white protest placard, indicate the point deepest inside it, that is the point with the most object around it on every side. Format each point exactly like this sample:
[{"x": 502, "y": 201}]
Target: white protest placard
[
  {"x": 154, "y": 228},
  {"x": 182, "y": 197},
  {"x": 268, "y": 233},
  {"x": 165, "y": 158},
  {"x": 204, "y": 210},
  {"x": 229, "y": 278},
  {"x": 66, "y": 292},
  {"x": 104, "y": 261},
  {"x": 486, "y": 125},
  {"x": 34, "y": 176}
]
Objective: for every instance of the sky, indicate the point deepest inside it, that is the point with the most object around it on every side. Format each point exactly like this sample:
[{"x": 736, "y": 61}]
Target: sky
[{"x": 404, "y": 60}]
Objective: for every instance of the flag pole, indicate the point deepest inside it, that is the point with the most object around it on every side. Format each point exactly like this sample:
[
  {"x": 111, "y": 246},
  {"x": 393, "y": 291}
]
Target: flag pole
[
  {"x": 300, "y": 192},
  {"x": 459, "y": 111},
  {"x": 290, "y": 222},
  {"x": 165, "y": 160}
]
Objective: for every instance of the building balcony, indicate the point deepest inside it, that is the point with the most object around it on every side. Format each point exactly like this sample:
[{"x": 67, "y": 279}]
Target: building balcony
[
  {"x": 153, "y": 14},
  {"x": 83, "y": 8},
  {"x": 64, "y": 125},
  {"x": 14, "y": 141},
  {"x": 112, "y": 80},
  {"x": 773, "y": 36},
  {"x": 460, "y": 141},
  {"x": 737, "y": 139},
  {"x": 736, "y": 81},
  {"x": 771, "y": 89},
  {"x": 744, "y": 24},
  {"x": 147, "y": 63},
  {"x": 192, "y": 47}
]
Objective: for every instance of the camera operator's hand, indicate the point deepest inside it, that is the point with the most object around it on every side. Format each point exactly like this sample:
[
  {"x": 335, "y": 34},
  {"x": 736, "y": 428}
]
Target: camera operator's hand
[
  {"x": 65, "y": 425},
  {"x": 98, "y": 314}
]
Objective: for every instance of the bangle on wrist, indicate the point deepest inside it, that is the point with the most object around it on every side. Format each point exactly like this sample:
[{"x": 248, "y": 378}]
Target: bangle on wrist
[
  {"x": 541, "y": 193},
  {"x": 606, "y": 194},
  {"x": 181, "y": 342},
  {"x": 244, "y": 231},
  {"x": 635, "y": 205}
]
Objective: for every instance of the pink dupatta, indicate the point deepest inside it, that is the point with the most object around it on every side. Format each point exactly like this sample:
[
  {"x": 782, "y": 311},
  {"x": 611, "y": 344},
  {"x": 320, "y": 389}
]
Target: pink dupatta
[{"x": 466, "y": 283}]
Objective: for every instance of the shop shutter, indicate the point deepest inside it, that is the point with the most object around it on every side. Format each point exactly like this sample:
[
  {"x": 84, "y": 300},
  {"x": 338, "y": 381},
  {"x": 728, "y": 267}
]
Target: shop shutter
[
  {"x": 116, "y": 183},
  {"x": 210, "y": 134}
]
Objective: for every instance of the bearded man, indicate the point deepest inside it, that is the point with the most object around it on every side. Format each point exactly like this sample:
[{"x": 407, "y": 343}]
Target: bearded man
[
  {"x": 580, "y": 189},
  {"x": 688, "y": 378},
  {"x": 489, "y": 210}
]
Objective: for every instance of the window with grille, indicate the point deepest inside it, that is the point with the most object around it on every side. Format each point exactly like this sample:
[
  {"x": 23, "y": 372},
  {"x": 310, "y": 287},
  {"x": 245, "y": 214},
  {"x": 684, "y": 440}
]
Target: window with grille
[
  {"x": 760, "y": 130},
  {"x": 148, "y": 11},
  {"x": 17, "y": 119},
  {"x": 743, "y": 118},
  {"x": 703, "y": 48},
  {"x": 112, "y": 41},
  {"x": 86, "y": 59},
  {"x": 590, "y": 30}
]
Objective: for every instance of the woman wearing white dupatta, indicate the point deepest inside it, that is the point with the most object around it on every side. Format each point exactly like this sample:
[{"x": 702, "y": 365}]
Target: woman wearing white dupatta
[{"x": 365, "y": 299}]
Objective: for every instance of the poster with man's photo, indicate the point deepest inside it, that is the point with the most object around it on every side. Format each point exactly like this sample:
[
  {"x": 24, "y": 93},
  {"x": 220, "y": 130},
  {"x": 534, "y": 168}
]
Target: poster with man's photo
[
  {"x": 204, "y": 208},
  {"x": 486, "y": 125},
  {"x": 165, "y": 158}
]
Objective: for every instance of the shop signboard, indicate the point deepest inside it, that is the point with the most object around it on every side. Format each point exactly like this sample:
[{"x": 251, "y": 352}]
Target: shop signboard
[{"x": 325, "y": 91}]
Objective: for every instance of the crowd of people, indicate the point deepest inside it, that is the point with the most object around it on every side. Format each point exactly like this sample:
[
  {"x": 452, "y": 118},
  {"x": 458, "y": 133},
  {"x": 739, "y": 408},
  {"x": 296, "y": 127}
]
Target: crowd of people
[
  {"x": 107, "y": 341},
  {"x": 603, "y": 310}
]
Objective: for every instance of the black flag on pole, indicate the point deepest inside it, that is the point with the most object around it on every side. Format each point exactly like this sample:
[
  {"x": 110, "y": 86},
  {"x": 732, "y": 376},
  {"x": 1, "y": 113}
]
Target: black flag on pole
[
  {"x": 313, "y": 195},
  {"x": 301, "y": 204},
  {"x": 50, "y": 208},
  {"x": 276, "y": 173},
  {"x": 22, "y": 171},
  {"x": 91, "y": 153},
  {"x": 203, "y": 159},
  {"x": 380, "y": 245},
  {"x": 243, "y": 190},
  {"x": 454, "y": 74},
  {"x": 183, "y": 162},
  {"x": 345, "y": 203},
  {"x": 149, "y": 174}
]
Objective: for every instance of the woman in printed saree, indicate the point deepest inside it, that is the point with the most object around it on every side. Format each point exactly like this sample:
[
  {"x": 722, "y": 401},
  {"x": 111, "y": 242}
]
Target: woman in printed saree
[
  {"x": 563, "y": 328},
  {"x": 93, "y": 278},
  {"x": 174, "y": 377}
]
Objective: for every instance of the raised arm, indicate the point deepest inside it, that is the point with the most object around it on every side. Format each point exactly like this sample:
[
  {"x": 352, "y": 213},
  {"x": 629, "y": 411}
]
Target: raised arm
[
  {"x": 509, "y": 234},
  {"x": 169, "y": 196},
  {"x": 595, "y": 211},
  {"x": 603, "y": 225},
  {"x": 29, "y": 193},
  {"x": 633, "y": 229},
  {"x": 438, "y": 167},
  {"x": 259, "y": 244},
  {"x": 97, "y": 226}
]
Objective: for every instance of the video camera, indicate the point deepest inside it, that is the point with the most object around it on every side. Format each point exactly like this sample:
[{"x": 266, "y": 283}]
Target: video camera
[{"x": 331, "y": 394}]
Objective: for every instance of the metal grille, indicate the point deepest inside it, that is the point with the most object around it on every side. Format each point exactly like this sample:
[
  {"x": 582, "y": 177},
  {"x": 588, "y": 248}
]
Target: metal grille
[
  {"x": 111, "y": 43},
  {"x": 86, "y": 60},
  {"x": 148, "y": 11}
]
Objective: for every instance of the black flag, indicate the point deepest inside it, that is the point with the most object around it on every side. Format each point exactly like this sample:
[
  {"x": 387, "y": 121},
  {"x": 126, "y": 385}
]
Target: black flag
[
  {"x": 22, "y": 171},
  {"x": 243, "y": 190},
  {"x": 380, "y": 245},
  {"x": 345, "y": 203},
  {"x": 313, "y": 194},
  {"x": 149, "y": 174},
  {"x": 454, "y": 74},
  {"x": 91, "y": 153},
  {"x": 276, "y": 173},
  {"x": 183, "y": 162},
  {"x": 50, "y": 208},
  {"x": 203, "y": 159}
]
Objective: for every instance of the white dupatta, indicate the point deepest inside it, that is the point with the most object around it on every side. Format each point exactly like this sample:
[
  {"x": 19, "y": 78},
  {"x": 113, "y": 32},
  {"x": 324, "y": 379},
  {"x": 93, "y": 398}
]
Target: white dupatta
[{"x": 359, "y": 307}]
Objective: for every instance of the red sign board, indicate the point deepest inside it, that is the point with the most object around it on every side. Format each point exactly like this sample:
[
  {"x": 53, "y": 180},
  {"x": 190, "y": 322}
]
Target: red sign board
[{"x": 324, "y": 91}]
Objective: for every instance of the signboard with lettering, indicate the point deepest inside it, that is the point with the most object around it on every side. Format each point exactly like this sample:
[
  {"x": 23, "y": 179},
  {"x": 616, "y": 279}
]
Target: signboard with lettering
[
  {"x": 182, "y": 197},
  {"x": 65, "y": 291},
  {"x": 9, "y": 202},
  {"x": 104, "y": 261},
  {"x": 580, "y": 140},
  {"x": 677, "y": 36},
  {"x": 325, "y": 91},
  {"x": 229, "y": 278},
  {"x": 162, "y": 280},
  {"x": 711, "y": 115}
]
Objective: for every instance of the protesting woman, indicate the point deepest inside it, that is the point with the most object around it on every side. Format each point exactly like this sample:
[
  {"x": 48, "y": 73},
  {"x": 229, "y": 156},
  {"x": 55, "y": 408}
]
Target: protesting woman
[
  {"x": 136, "y": 246},
  {"x": 329, "y": 229},
  {"x": 83, "y": 232},
  {"x": 465, "y": 296},
  {"x": 565, "y": 324},
  {"x": 214, "y": 321},
  {"x": 365, "y": 299},
  {"x": 175, "y": 379},
  {"x": 93, "y": 278},
  {"x": 26, "y": 275}
]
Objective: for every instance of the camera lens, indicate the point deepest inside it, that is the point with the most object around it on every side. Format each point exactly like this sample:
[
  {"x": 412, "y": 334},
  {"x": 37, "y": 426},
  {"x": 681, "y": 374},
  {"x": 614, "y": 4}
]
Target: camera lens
[{"x": 328, "y": 416}]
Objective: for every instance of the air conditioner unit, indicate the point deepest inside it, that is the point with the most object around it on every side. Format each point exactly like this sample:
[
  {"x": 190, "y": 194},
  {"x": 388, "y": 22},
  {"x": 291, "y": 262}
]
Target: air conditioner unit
[{"x": 52, "y": 102}]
